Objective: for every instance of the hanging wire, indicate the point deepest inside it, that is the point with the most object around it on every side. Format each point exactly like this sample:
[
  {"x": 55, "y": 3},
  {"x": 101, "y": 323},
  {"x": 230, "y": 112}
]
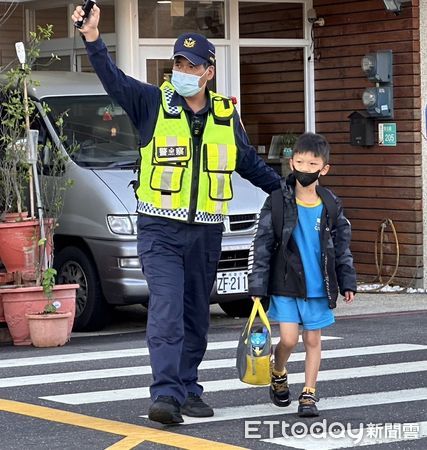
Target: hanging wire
[
  {"x": 379, "y": 254},
  {"x": 4, "y": 17},
  {"x": 8, "y": 66},
  {"x": 379, "y": 260}
]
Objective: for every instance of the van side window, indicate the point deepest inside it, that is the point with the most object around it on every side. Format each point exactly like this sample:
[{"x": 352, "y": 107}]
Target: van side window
[
  {"x": 99, "y": 133},
  {"x": 38, "y": 124},
  {"x": 49, "y": 163}
]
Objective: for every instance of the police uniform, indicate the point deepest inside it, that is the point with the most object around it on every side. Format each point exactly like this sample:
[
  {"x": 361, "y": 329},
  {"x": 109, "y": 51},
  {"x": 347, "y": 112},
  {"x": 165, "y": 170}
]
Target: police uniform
[{"x": 183, "y": 189}]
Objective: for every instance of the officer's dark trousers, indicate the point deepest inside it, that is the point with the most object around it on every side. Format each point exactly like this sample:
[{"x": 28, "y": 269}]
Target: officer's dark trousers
[{"x": 179, "y": 261}]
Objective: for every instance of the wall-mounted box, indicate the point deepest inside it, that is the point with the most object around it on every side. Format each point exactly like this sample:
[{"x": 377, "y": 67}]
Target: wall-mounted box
[{"x": 362, "y": 129}]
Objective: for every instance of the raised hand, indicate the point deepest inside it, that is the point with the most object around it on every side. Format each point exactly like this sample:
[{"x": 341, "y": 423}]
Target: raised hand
[{"x": 90, "y": 25}]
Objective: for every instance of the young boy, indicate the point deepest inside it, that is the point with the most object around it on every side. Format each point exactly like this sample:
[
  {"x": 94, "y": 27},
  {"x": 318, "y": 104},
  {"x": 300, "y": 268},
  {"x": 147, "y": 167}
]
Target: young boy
[{"x": 301, "y": 258}]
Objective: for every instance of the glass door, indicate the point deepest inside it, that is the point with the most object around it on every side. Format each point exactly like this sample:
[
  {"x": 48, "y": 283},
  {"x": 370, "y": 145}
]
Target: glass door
[{"x": 276, "y": 74}]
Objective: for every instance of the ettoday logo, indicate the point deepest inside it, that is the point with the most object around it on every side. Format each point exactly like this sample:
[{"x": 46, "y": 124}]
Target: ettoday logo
[
  {"x": 270, "y": 429},
  {"x": 267, "y": 429}
]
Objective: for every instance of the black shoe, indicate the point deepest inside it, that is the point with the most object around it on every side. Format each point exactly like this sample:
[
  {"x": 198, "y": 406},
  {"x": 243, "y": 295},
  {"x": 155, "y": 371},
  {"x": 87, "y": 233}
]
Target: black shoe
[
  {"x": 279, "y": 390},
  {"x": 166, "y": 410},
  {"x": 194, "y": 406},
  {"x": 307, "y": 405}
]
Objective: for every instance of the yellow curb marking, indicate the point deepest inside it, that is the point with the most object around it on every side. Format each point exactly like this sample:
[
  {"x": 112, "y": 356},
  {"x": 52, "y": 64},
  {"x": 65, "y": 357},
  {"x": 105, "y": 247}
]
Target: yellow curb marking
[
  {"x": 126, "y": 443},
  {"x": 133, "y": 434}
]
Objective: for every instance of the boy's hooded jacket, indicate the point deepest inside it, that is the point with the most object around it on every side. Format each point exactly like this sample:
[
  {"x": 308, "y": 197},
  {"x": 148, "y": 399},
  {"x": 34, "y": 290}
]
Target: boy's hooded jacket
[{"x": 277, "y": 267}]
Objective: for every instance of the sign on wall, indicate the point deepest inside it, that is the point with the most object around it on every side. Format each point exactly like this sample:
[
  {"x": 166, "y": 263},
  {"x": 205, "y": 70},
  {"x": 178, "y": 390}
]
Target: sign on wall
[{"x": 387, "y": 134}]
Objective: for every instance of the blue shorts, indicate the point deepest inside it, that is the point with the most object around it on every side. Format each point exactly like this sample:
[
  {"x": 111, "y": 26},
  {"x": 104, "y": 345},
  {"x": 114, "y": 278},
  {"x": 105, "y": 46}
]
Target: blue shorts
[{"x": 312, "y": 314}]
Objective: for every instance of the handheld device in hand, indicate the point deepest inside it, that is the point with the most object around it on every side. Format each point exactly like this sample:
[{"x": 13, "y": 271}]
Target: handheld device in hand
[{"x": 87, "y": 7}]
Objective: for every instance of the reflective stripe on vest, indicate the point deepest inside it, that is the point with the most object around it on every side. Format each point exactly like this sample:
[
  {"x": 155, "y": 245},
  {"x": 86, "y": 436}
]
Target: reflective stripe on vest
[{"x": 166, "y": 171}]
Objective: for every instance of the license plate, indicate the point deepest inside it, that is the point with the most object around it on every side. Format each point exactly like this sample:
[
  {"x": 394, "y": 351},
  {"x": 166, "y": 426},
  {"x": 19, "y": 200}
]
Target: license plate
[{"x": 232, "y": 282}]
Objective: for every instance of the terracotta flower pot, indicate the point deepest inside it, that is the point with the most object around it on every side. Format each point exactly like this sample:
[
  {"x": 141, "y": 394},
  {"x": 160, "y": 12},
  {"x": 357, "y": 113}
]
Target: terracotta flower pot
[
  {"x": 19, "y": 249},
  {"x": 16, "y": 217},
  {"x": 49, "y": 330},
  {"x": 18, "y": 245},
  {"x": 19, "y": 301},
  {"x": 2, "y": 318}
]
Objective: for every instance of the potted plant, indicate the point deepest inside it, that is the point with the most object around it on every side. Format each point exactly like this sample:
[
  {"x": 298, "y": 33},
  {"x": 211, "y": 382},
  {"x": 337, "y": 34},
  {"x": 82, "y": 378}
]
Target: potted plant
[
  {"x": 16, "y": 173},
  {"x": 288, "y": 142},
  {"x": 49, "y": 328},
  {"x": 34, "y": 290},
  {"x": 14, "y": 180}
]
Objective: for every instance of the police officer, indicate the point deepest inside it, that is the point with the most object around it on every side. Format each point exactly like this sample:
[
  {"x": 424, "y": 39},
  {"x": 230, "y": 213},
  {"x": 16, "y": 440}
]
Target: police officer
[{"x": 191, "y": 142}]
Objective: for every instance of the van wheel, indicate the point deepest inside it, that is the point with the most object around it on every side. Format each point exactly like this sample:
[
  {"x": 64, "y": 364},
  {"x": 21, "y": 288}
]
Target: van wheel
[
  {"x": 241, "y": 308},
  {"x": 92, "y": 311}
]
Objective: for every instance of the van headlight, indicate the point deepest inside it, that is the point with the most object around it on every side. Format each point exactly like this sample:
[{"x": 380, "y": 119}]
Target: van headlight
[{"x": 122, "y": 224}]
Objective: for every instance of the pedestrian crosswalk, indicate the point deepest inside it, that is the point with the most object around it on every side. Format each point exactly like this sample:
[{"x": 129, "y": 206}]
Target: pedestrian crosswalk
[
  {"x": 110, "y": 354},
  {"x": 146, "y": 370},
  {"x": 101, "y": 379},
  {"x": 234, "y": 384},
  {"x": 348, "y": 401}
]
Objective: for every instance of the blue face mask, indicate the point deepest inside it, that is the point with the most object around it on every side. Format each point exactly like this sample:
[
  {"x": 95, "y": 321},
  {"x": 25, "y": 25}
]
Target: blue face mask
[{"x": 186, "y": 84}]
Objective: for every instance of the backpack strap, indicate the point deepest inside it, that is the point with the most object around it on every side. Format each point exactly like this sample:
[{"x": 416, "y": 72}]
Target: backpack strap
[
  {"x": 330, "y": 205},
  {"x": 277, "y": 213}
]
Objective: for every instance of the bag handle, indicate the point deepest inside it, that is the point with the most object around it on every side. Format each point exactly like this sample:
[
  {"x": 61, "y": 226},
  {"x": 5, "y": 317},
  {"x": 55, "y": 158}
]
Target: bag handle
[{"x": 257, "y": 309}]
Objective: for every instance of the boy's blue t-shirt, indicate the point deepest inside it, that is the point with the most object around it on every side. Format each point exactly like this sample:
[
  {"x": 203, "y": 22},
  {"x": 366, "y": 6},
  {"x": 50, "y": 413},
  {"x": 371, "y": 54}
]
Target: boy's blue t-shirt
[{"x": 307, "y": 238}]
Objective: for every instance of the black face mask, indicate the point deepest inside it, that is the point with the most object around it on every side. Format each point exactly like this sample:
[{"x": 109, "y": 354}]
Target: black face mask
[{"x": 305, "y": 178}]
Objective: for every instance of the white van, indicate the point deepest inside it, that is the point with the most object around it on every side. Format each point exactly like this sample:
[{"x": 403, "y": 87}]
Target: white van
[{"x": 95, "y": 243}]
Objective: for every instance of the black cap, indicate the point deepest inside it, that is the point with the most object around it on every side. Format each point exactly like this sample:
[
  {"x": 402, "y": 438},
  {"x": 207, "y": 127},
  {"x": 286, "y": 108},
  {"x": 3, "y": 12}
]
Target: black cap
[{"x": 196, "y": 48}]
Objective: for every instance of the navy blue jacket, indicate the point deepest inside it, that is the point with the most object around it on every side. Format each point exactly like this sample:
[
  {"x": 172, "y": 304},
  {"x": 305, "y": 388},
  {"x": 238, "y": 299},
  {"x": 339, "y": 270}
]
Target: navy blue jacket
[{"x": 142, "y": 102}]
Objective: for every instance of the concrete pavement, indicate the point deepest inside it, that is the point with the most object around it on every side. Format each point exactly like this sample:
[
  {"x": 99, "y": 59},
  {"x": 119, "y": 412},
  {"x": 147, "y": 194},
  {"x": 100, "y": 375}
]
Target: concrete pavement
[
  {"x": 131, "y": 319},
  {"x": 382, "y": 302}
]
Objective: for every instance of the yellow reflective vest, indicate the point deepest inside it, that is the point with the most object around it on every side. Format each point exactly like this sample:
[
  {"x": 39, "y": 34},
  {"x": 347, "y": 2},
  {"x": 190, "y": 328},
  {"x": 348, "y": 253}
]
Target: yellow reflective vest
[{"x": 180, "y": 180}]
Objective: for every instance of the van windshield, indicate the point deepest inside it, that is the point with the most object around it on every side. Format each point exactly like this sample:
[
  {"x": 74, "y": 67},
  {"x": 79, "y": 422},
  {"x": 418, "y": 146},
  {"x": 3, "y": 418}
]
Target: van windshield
[{"x": 98, "y": 132}]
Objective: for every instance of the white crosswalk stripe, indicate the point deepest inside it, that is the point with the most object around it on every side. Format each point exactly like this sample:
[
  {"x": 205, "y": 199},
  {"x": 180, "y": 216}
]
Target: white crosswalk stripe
[
  {"x": 116, "y": 395},
  {"x": 349, "y": 401},
  {"x": 209, "y": 364},
  {"x": 78, "y": 387},
  {"x": 112, "y": 354}
]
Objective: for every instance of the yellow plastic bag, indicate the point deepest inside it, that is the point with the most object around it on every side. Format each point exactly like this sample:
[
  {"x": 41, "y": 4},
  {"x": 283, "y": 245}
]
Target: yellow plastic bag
[{"x": 253, "y": 359}]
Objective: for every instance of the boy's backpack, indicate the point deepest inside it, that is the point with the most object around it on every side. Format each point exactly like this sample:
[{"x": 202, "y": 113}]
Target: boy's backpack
[{"x": 277, "y": 209}]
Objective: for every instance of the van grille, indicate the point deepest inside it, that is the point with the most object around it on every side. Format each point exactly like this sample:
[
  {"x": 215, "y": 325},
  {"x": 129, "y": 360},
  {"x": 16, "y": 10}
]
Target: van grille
[
  {"x": 241, "y": 222},
  {"x": 233, "y": 260}
]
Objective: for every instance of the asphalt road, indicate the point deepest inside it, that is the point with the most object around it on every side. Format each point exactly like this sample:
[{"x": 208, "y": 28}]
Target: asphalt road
[{"x": 373, "y": 381}]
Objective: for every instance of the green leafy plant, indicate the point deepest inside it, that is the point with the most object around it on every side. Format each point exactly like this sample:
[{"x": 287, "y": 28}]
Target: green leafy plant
[
  {"x": 14, "y": 112},
  {"x": 287, "y": 144},
  {"x": 48, "y": 283},
  {"x": 288, "y": 140},
  {"x": 18, "y": 116}
]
